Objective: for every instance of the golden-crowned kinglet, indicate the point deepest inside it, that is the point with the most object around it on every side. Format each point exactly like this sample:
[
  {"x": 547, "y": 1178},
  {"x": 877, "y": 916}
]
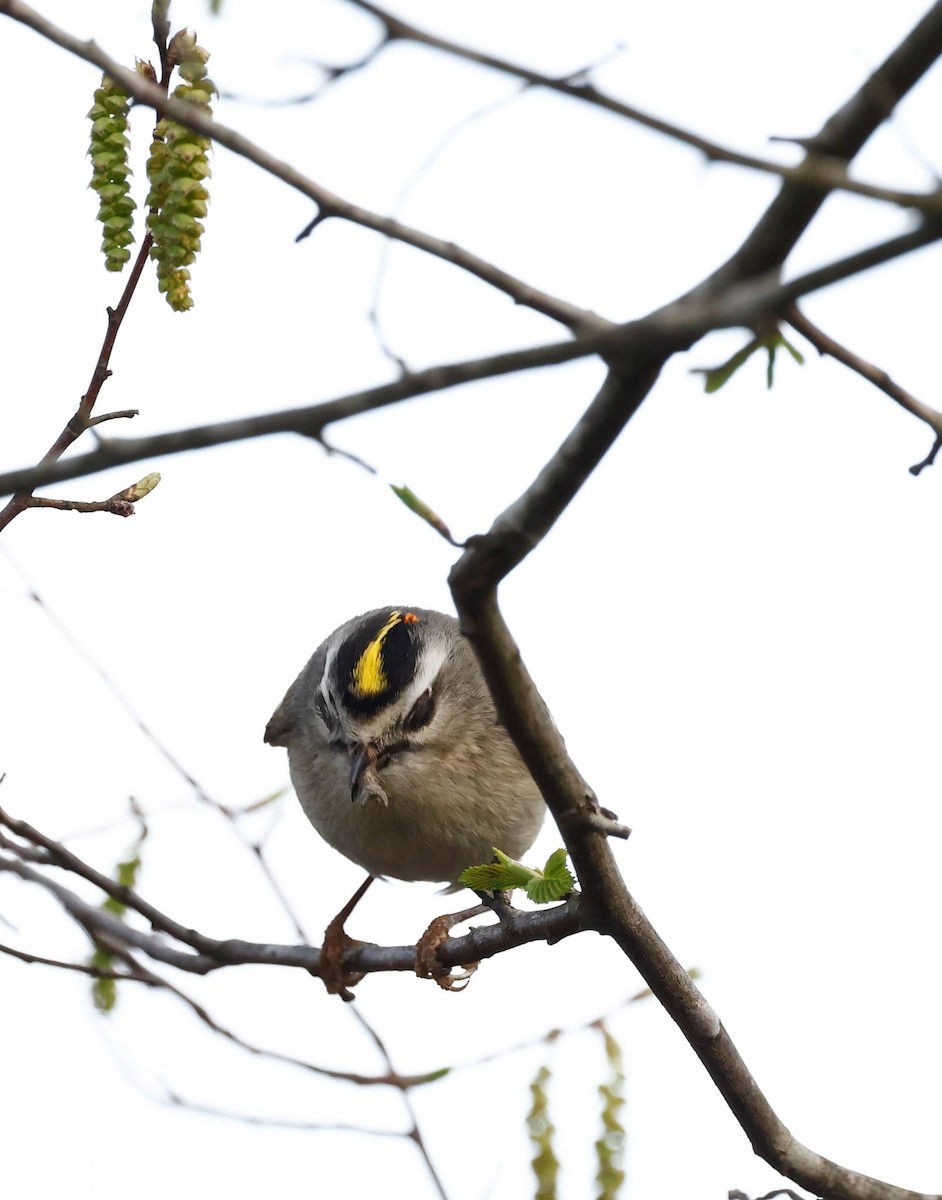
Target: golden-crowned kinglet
[{"x": 396, "y": 753}]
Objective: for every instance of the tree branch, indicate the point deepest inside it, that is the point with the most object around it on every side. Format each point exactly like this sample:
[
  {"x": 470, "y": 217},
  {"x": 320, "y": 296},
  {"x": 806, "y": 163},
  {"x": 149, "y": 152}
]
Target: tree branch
[
  {"x": 639, "y": 345},
  {"x": 825, "y": 344},
  {"x": 550, "y": 925},
  {"x": 791, "y": 212},
  {"x": 82, "y": 418},
  {"x": 488, "y": 559},
  {"x": 310, "y": 421},
  {"x": 819, "y": 169}
]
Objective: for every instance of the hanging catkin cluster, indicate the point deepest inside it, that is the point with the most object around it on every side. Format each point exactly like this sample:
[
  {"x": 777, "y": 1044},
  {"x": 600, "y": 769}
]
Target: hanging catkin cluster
[
  {"x": 108, "y": 150},
  {"x": 177, "y": 169}
]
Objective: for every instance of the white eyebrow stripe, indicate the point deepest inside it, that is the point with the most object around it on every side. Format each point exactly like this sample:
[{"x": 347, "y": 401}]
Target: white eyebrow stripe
[{"x": 431, "y": 662}]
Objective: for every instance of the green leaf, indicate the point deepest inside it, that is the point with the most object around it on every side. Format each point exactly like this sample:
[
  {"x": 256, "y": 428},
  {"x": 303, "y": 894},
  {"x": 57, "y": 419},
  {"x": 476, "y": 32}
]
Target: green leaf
[
  {"x": 421, "y": 509},
  {"x": 496, "y": 877},
  {"x": 716, "y": 377},
  {"x": 552, "y": 883},
  {"x": 542, "y": 887},
  {"x": 792, "y": 350},
  {"x": 104, "y": 991}
]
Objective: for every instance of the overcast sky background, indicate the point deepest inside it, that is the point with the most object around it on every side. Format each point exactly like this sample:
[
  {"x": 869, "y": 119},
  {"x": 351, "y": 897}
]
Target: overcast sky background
[{"x": 734, "y": 624}]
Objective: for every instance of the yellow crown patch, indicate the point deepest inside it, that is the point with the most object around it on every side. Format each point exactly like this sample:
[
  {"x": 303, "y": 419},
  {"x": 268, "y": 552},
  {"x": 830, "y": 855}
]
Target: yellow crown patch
[{"x": 369, "y": 678}]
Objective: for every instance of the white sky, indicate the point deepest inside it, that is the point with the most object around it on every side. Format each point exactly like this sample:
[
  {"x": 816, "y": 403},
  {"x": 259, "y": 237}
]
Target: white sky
[{"x": 732, "y": 624}]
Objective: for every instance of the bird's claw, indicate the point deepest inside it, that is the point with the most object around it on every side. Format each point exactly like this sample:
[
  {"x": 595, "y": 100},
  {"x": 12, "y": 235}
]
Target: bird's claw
[{"x": 427, "y": 965}]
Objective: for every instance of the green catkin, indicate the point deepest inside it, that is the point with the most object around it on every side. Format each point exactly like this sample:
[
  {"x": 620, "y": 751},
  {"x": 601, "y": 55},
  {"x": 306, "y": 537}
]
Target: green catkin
[
  {"x": 610, "y": 1147},
  {"x": 108, "y": 150},
  {"x": 177, "y": 169},
  {"x": 541, "y": 1129}
]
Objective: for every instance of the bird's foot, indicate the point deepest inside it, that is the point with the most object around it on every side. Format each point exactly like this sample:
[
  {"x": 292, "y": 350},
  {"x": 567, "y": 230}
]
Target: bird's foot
[
  {"x": 337, "y": 976},
  {"x": 427, "y": 965}
]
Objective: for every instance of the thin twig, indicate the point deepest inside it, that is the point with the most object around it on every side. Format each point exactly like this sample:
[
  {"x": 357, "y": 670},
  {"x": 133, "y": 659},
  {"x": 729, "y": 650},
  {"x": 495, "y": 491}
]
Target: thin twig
[
  {"x": 825, "y": 344},
  {"x": 550, "y": 924},
  {"x": 81, "y": 968},
  {"x": 231, "y": 816},
  {"x": 113, "y": 416},
  {"x": 821, "y": 169},
  {"x": 309, "y": 421},
  {"x": 636, "y": 347},
  {"x": 415, "y": 1133},
  {"x": 403, "y": 194},
  {"x": 79, "y": 421}
]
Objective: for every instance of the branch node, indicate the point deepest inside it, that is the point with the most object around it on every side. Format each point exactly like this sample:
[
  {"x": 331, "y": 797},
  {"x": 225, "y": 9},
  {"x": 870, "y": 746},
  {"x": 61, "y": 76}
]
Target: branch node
[{"x": 308, "y": 229}]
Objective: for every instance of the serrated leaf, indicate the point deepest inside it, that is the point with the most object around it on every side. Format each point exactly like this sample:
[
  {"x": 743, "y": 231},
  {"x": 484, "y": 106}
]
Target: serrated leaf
[
  {"x": 495, "y": 877},
  {"x": 545, "y": 891},
  {"x": 556, "y": 866},
  {"x": 552, "y": 883}
]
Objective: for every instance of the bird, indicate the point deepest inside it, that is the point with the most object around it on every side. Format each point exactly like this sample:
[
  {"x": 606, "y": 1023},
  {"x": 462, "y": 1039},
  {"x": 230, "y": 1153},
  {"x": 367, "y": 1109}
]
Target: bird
[{"x": 397, "y": 755}]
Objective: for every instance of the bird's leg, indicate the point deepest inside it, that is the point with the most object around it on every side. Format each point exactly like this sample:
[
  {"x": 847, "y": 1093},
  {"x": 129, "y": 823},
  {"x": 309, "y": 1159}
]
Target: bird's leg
[
  {"x": 427, "y": 965},
  {"x": 337, "y": 978}
]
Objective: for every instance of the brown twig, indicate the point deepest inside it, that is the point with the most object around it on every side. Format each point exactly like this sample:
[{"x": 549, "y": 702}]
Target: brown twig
[
  {"x": 117, "y": 504},
  {"x": 309, "y": 421},
  {"x": 822, "y": 168},
  {"x": 255, "y": 1119},
  {"x": 637, "y": 345},
  {"x": 825, "y": 344},
  {"x": 415, "y": 1133},
  {"x": 112, "y": 416},
  {"x": 81, "y": 968},
  {"x": 488, "y": 559},
  {"x": 211, "y": 954},
  {"x": 81, "y": 418}
]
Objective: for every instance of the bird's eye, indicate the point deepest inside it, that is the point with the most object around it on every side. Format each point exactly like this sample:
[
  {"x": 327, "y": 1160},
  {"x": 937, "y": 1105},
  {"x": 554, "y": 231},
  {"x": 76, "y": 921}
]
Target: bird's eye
[
  {"x": 421, "y": 712},
  {"x": 320, "y": 707}
]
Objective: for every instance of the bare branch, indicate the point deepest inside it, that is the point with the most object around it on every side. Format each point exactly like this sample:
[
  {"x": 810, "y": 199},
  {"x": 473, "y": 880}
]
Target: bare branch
[
  {"x": 825, "y": 344},
  {"x": 415, "y": 1133},
  {"x": 113, "y": 416},
  {"x": 551, "y": 924},
  {"x": 81, "y": 968},
  {"x": 788, "y": 216},
  {"x": 821, "y": 169},
  {"x": 488, "y": 559},
  {"x": 121, "y": 504},
  {"x": 256, "y": 1119},
  {"x": 81, "y": 418},
  {"x": 310, "y": 421},
  {"x": 639, "y": 344}
]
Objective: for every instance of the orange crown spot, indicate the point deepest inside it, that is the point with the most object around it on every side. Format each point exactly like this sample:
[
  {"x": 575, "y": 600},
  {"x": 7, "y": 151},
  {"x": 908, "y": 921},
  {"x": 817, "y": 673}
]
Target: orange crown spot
[{"x": 410, "y": 619}]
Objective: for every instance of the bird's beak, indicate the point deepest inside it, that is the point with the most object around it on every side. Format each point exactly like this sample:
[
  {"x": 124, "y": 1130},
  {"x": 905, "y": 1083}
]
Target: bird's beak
[
  {"x": 364, "y": 778},
  {"x": 361, "y": 759}
]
